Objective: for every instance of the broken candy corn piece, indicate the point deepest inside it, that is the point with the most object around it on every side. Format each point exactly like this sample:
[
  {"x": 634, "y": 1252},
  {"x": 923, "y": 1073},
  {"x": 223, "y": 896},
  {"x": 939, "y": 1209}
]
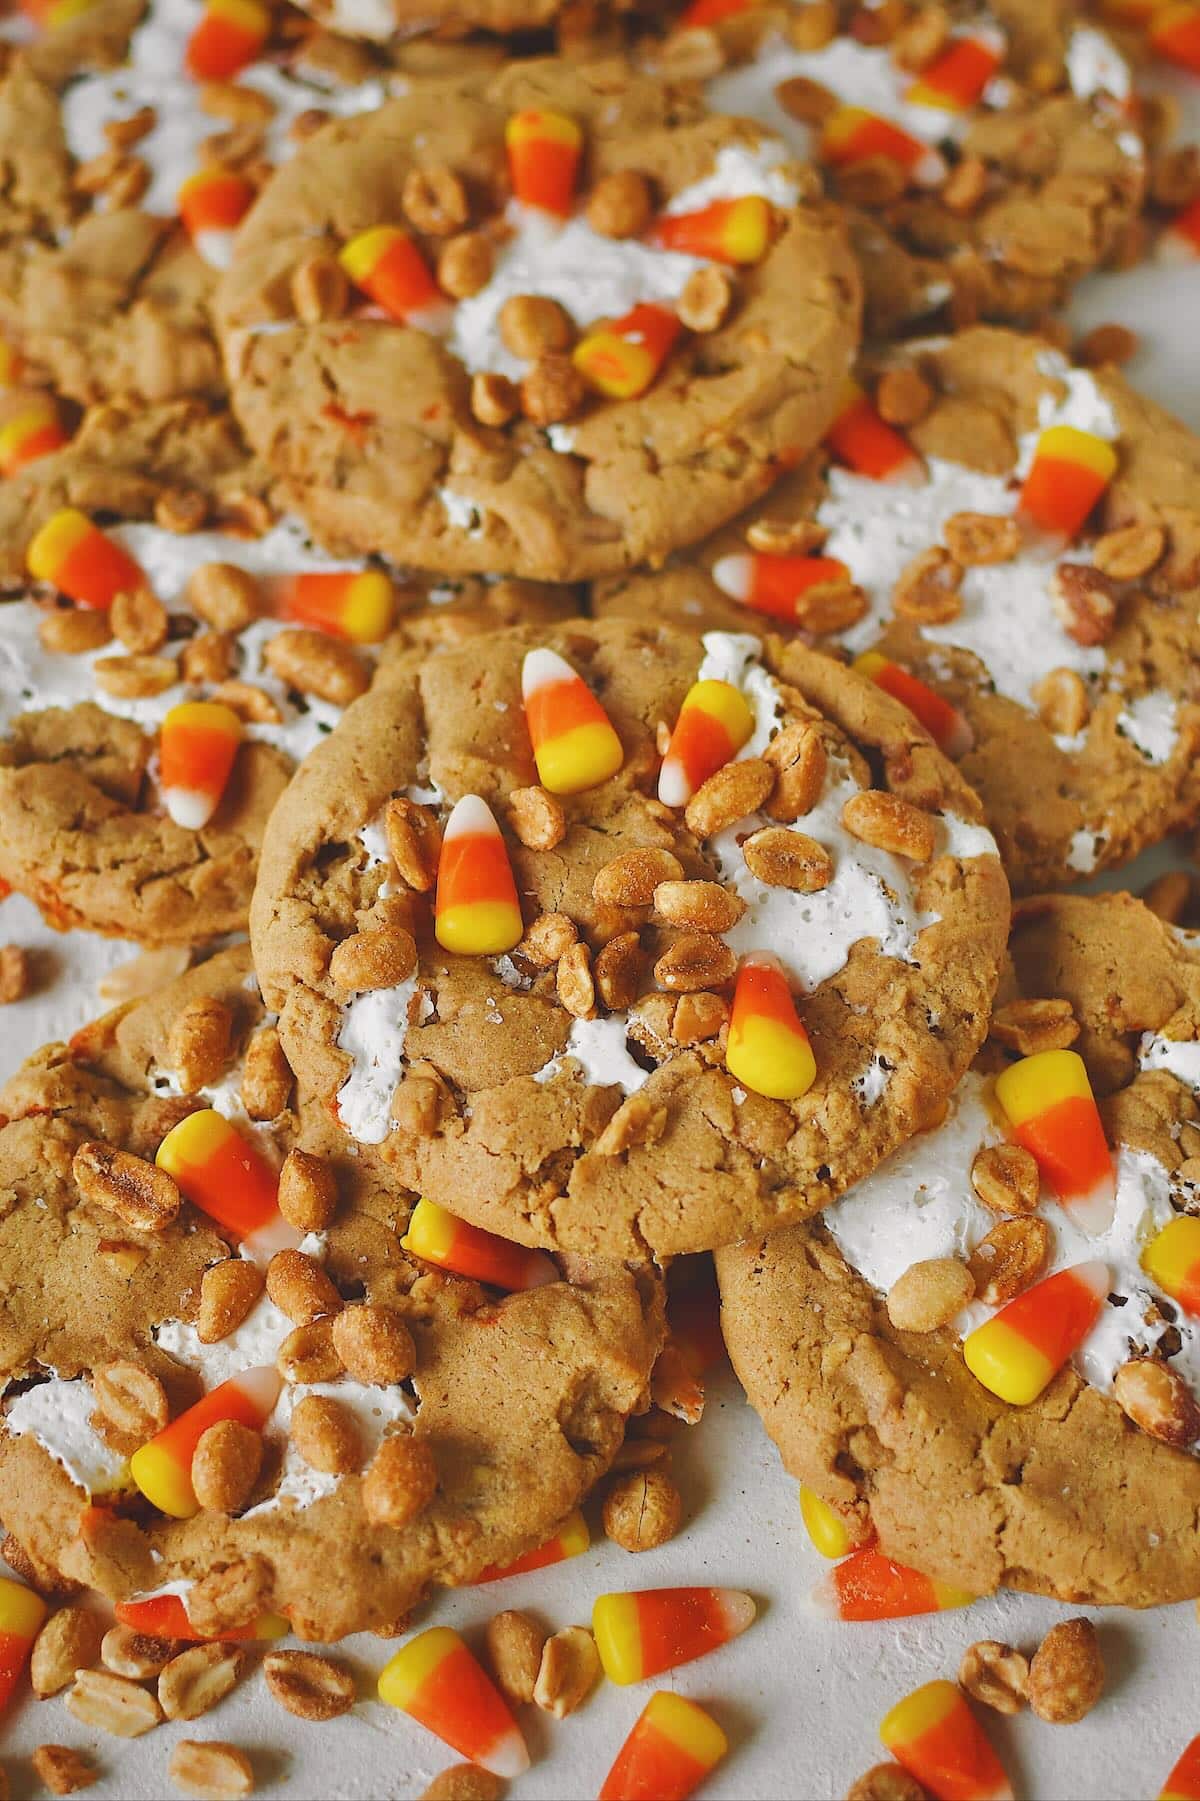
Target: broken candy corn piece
[
  {"x": 476, "y": 912},
  {"x": 937, "y": 1738},
  {"x": 1023, "y": 1347},
  {"x": 33, "y": 432},
  {"x": 725, "y": 231},
  {"x": 672, "y": 1748},
  {"x": 621, "y": 358},
  {"x": 162, "y": 1469},
  {"x": 435, "y": 1680},
  {"x": 165, "y": 1616},
  {"x": 1048, "y": 1101},
  {"x": 574, "y": 744},
  {"x": 81, "y": 561},
  {"x": 438, "y": 1237},
  {"x": 866, "y": 443},
  {"x": 694, "y": 1344},
  {"x": 1172, "y": 1259},
  {"x": 21, "y": 1615},
  {"x": 228, "y": 1178},
  {"x": 825, "y": 1526},
  {"x": 768, "y": 1048},
  {"x": 714, "y": 722},
  {"x": 642, "y": 1634},
  {"x": 1070, "y": 471},
  {"x": 360, "y": 607},
  {"x": 852, "y": 134},
  {"x": 543, "y": 159},
  {"x": 772, "y": 584},
  {"x": 212, "y": 204},
  {"x": 869, "y": 1586},
  {"x": 230, "y": 34},
  {"x": 944, "y": 723},
  {"x": 197, "y": 747},
  {"x": 1183, "y": 1784},
  {"x": 1175, "y": 33},
  {"x": 571, "y": 1540},
  {"x": 386, "y": 264},
  {"x": 1180, "y": 241},
  {"x": 955, "y": 80}
]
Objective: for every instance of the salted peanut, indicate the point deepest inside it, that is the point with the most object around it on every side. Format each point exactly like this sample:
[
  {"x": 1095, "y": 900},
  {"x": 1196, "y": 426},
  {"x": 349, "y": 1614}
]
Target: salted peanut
[
  {"x": 638, "y": 1454},
  {"x": 122, "y": 134},
  {"x": 631, "y": 879},
  {"x": 311, "y": 1687},
  {"x": 575, "y": 985},
  {"x": 1113, "y": 344},
  {"x": 494, "y": 399},
  {"x": 224, "y": 596},
  {"x": 537, "y": 818},
  {"x": 414, "y": 841},
  {"x": 252, "y": 704},
  {"x": 131, "y": 1399},
  {"x": 181, "y": 510},
  {"x": 435, "y": 200},
  {"x": 569, "y": 1671},
  {"x": 209, "y": 657},
  {"x": 1158, "y": 1400},
  {"x": 1130, "y": 553},
  {"x": 68, "y": 1641},
  {"x": 211, "y": 1770},
  {"x": 139, "y": 620},
  {"x": 308, "y": 1355},
  {"x": 813, "y": 26},
  {"x": 138, "y": 1655},
  {"x": 1169, "y": 895},
  {"x": 695, "y": 960},
  {"x": 703, "y": 906},
  {"x": 693, "y": 55},
  {"x": 373, "y": 959},
  {"x": 809, "y": 101},
  {"x": 400, "y": 1482},
  {"x": 1006, "y": 1179},
  {"x": 229, "y": 100},
  {"x": 73, "y": 631},
  {"x": 642, "y": 1511},
  {"x": 706, "y": 300},
  {"x": 1066, "y": 1676},
  {"x": 94, "y": 175},
  {"x": 1085, "y": 603},
  {"x": 300, "y": 1288},
  {"x": 197, "y": 1679},
  {"x": 1029, "y": 1026},
  {"x": 112, "y": 1704},
  {"x": 317, "y": 665},
  {"x": 226, "y": 1465},
  {"x": 135, "y": 678},
  {"x": 547, "y": 939},
  {"x": 928, "y": 588},
  {"x": 886, "y": 1782},
  {"x": 308, "y": 1194},
  {"x": 14, "y": 974},
  {"x": 514, "y": 1652},
  {"x": 227, "y": 1293},
  {"x": 929, "y": 1294},
  {"x": 618, "y": 970},
  {"x": 320, "y": 290},
  {"x": 977, "y": 539},
  {"x": 620, "y": 204},
  {"x": 903, "y": 396},
  {"x": 731, "y": 793},
  {"x": 62, "y": 1770},
  {"x": 889, "y": 823},
  {"x": 531, "y": 325},
  {"x": 464, "y": 1782},
  {"x": 784, "y": 859},
  {"x": 785, "y": 537},
  {"x": 553, "y": 391},
  {"x": 465, "y": 264},
  {"x": 964, "y": 188},
  {"x": 1061, "y": 698},
  {"x": 698, "y": 1017},
  {"x": 266, "y": 1075},
  {"x": 797, "y": 756},
  {"x": 1009, "y": 1258},
  {"x": 326, "y": 1436},
  {"x": 374, "y": 1344},
  {"x": 200, "y": 1044},
  {"x": 921, "y": 38},
  {"x": 636, "y": 1121},
  {"x": 830, "y": 607}
]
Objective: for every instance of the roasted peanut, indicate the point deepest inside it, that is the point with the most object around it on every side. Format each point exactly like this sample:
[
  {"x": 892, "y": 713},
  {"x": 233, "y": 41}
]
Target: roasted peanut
[
  {"x": 308, "y": 1195},
  {"x": 300, "y": 1288},
  {"x": 224, "y": 596},
  {"x": 1006, "y": 1179},
  {"x": 1066, "y": 1676},
  {"x": 400, "y": 1482},
  {"x": 797, "y": 754},
  {"x": 785, "y": 859},
  {"x": 903, "y": 396},
  {"x": 315, "y": 664},
  {"x": 211, "y": 1770},
  {"x": 130, "y": 1399},
  {"x": 374, "y": 1344},
  {"x": 889, "y": 823},
  {"x": 68, "y": 1641},
  {"x": 307, "y": 1355},
  {"x": 112, "y": 1704},
  {"x": 1028, "y": 1026},
  {"x": 225, "y": 1466},
  {"x": 1009, "y": 1258},
  {"x": 200, "y": 1043},
  {"x": 568, "y": 1672},
  {"x": 695, "y": 960},
  {"x": 631, "y": 879},
  {"x": 514, "y": 1649},
  {"x": 929, "y": 1294},
  {"x": 228, "y": 1291},
  {"x": 537, "y": 818},
  {"x": 734, "y": 792},
  {"x": 135, "y": 1654},
  {"x": 977, "y": 539},
  {"x": 373, "y": 959},
  {"x": 326, "y": 1436},
  {"x": 642, "y": 1511},
  {"x": 266, "y": 1075},
  {"x": 1158, "y": 1400},
  {"x": 309, "y": 1686},
  {"x": 62, "y": 1770}
]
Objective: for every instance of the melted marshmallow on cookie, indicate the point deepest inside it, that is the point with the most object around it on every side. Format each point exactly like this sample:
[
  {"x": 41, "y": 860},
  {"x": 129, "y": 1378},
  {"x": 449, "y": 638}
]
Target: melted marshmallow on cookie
[{"x": 59, "y": 1414}]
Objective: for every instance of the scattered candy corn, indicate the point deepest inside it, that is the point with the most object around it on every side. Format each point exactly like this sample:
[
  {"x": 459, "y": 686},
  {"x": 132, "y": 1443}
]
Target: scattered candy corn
[
  {"x": 714, "y": 722},
  {"x": 1048, "y": 1101},
  {"x": 1021, "y": 1349},
  {"x": 212, "y": 204},
  {"x": 162, "y": 1469},
  {"x": 1172, "y": 1259},
  {"x": 674, "y": 1745},
  {"x": 227, "y": 1177},
  {"x": 230, "y": 34},
  {"x": 544, "y": 149},
  {"x": 81, "y": 561},
  {"x": 476, "y": 913},
  {"x": 33, "y": 432},
  {"x": 1175, "y": 33},
  {"x": 21, "y": 1615},
  {"x": 866, "y": 443},
  {"x": 197, "y": 748},
  {"x": 1180, "y": 241},
  {"x": 773, "y": 584},
  {"x": 640, "y": 1635},
  {"x": 937, "y": 1738},
  {"x": 955, "y": 80},
  {"x": 852, "y": 134},
  {"x": 869, "y": 1586},
  {"x": 725, "y": 231},
  {"x": 438, "y": 1237},
  {"x": 574, "y": 744},
  {"x": 165, "y": 1616},
  {"x": 826, "y": 1528},
  {"x": 360, "y": 607},
  {"x": 944, "y": 723},
  {"x": 571, "y": 1540},
  {"x": 621, "y": 358},
  {"x": 388, "y": 267},
  {"x": 768, "y": 1048},
  {"x": 694, "y": 1344},
  {"x": 435, "y": 1680},
  {"x": 1070, "y": 471},
  {"x": 1183, "y": 1784}
]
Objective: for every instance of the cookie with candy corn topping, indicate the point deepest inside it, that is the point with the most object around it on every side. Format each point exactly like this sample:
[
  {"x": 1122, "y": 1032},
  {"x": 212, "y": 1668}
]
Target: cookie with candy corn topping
[
  {"x": 630, "y": 1007},
  {"x": 1075, "y": 1359}
]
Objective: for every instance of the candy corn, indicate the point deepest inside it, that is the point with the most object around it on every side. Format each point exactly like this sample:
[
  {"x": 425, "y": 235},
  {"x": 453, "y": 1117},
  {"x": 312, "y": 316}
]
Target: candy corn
[
  {"x": 955, "y": 80},
  {"x": 1183, "y": 1784},
  {"x": 165, "y": 1616},
  {"x": 937, "y": 1738},
  {"x": 197, "y": 747},
  {"x": 21, "y": 1615},
  {"x": 359, "y": 607},
  {"x": 714, "y": 722},
  {"x": 725, "y": 231},
  {"x": 640, "y": 1635},
  {"x": 825, "y": 1526},
  {"x": 711, "y": 12},
  {"x": 78, "y": 559},
  {"x": 212, "y": 204},
  {"x": 1172, "y": 1260},
  {"x": 162, "y": 1469},
  {"x": 859, "y": 438},
  {"x": 1175, "y": 34},
  {"x": 869, "y": 1586},
  {"x": 544, "y": 149},
  {"x": 1048, "y": 1101},
  {"x": 438, "y": 1237},
  {"x": 230, "y": 34},
  {"x": 227, "y": 1177},
  {"x": 852, "y": 134},
  {"x": 1180, "y": 241},
  {"x": 1021, "y": 1349},
  {"x": 574, "y": 744},
  {"x": 944, "y": 723},
  {"x": 571, "y": 1540},
  {"x": 694, "y": 1344},
  {"x": 1070, "y": 471},
  {"x": 768, "y": 1049},
  {"x": 772, "y": 584},
  {"x": 33, "y": 432},
  {"x": 476, "y": 913},
  {"x": 435, "y": 1680},
  {"x": 386, "y": 264},
  {"x": 621, "y": 359},
  {"x": 674, "y": 1745}
]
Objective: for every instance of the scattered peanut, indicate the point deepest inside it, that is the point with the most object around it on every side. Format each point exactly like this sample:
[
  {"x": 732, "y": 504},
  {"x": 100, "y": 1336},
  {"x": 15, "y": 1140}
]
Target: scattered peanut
[
  {"x": 734, "y": 792},
  {"x": 886, "y": 1782},
  {"x": 620, "y": 205},
  {"x": 373, "y": 959},
  {"x": 1061, "y": 698},
  {"x": 1066, "y": 1676},
  {"x": 228, "y": 1291},
  {"x": 307, "y": 1355},
  {"x": 68, "y": 1641},
  {"x": 308, "y": 1193},
  {"x": 903, "y": 396},
  {"x": 514, "y": 1649},
  {"x": 928, "y": 588},
  {"x": 72, "y": 631},
  {"x": 1028, "y": 1026},
  {"x": 300, "y": 1288},
  {"x": 889, "y": 823},
  {"x": 1158, "y": 1400},
  {"x": 1128, "y": 554},
  {"x": 695, "y": 960},
  {"x": 63, "y": 1770},
  {"x": 642, "y": 1511},
  {"x": 1006, "y": 1179},
  {"x": 135, "y": 1654},
  {"x": 464, "y": 1782},
  {"x": 210, "y": 1770},
  {"x": 929, "y": 1294},
  {"x": 995, "y": 1675},
  {"x": 631, "y": 879},
  {"x": 112, "y": 1704},
  {"x": 1009, "y": 1258},
  {"x": 14, "y": 974},
  {"x": 531, "y": 325},
  {"x": 400, "y": 1482},
  {"x": 225, "y": 1466},
  {"x": 465, "y": 265},
  {"x": 224, "y": 596},
  {"x": 435, "y": 200},
  {"x": 139, "y": 621},
  {"x": 197, "y": 1679},
  {"x": 568, "y": 1672},
  {"x": 976, "y": 539},
  {"x": 706, "y": 300},
  {"x": 320, "y": 290},
  {"x": 785, "y": 859},
  {"x": 315, "y": 664},
  {"x": 1085, "y": 602},
  {"x": 135, "y": 678},
  {"x": 537, "y": 818},
  {"x": 553, "y": 391},
  {"x": 326, "y": 1436},
  {"x": 374, "y": 1344},
  {"x": 266, "y": 1075},
  {"x": 131, "y": 1399},
  {"x": 618, "y": 970},
  {"x": 309, "y": 1686},
  {"x": 200, "y": 1043},
  {"x": 550, "y": 935}
]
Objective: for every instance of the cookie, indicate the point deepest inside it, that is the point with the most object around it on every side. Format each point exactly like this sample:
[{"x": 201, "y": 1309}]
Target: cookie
[
  {"x": 416, "y": 442},
  {"x": 572, "y": 1090},
  {"x": 1082, "y": 720},
  {"x": 1067, "y": 1495},
  {"x": 379, "y": 21},
  {"x": 518, "y": 1432}
]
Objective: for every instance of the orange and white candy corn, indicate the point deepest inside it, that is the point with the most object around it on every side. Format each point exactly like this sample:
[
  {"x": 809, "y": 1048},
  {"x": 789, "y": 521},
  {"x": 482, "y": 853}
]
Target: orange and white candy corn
[
  {"x": 852, "y": 135},
  {"x": 937, "y": 1738},
  {"x": 571, "y": 1540},
  {"x": 955, "y": 80},
  {"x": 574, "y": 744},
  {"x": 81, "y": 561},
  {"x": 773, "y": 584},
  {"x": 1172, "y": 1260},
  {"x": 621, "y": 358},
  {"x": 866, "y": 1585},
  {"x": 165, "y": 1616},
  {"x": 714, "y": 723},
  {"x": 162, "y": 1469},
  {"x": 674, "y": 1745},
  {"x": 212, "y": 204},
  {"x": 197, "y": 747},
  {"x": 1180, "y": 241},
  {"x": 1020, "y": 1350},
  {"x": 231, "y": 33},
  {"x": 944, "y": 723},
  {"x": 725, "y": 231},
  {"x": 1070, "y": 471},
  {"x": 1174, "y": 33},
  {"x": 31, "y": 433},
  {"x": 866, "y": 443},
  {"x": 768, "y": 1049},
  {"x": 476, "y": 911},
  {"x": 359, "y": 606},
  {"x": 1183, "y": 1784},
  {"x": 387, "y": 265},
  {"x": 436, "y": 1681},
  {"x": 21, "y": 1615},
  {"x": 436, "y": 1236},
  {"x": 227, "y": 1177},
  {"x": 826, "y": 1528},
  {"x": 640, "y": 1635},
  {"x": 694, "y": 1344},
  {"x": 544, "y": 149},
  {"x": 1048, "y": 1102}
]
